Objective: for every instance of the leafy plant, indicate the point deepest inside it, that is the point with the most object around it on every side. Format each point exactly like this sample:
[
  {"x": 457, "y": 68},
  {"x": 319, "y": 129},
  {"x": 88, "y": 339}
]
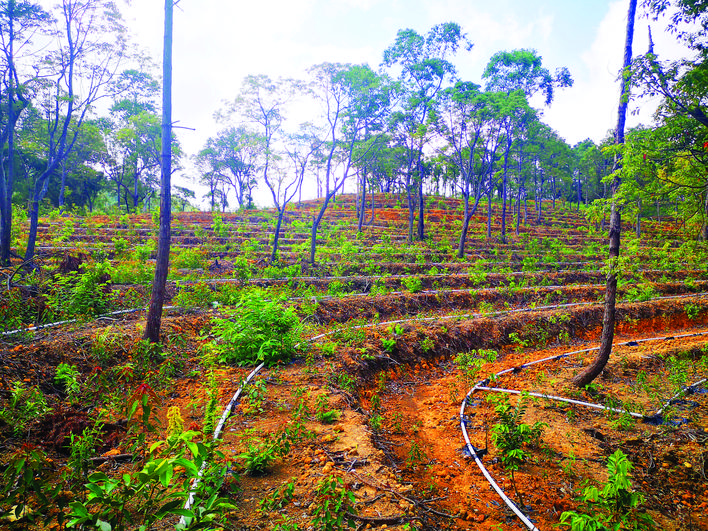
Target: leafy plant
[
  {"x": 416, "y": 456},
  {"x": 323, "y": 413},
  {"x": 413, "y": 284},
  {"x": 511, "y": 435},
  {"x": 156, "y": 491},
  {"x": 68, "y": 376},
  {"x": 333, "y": 503},
  {"x": 260, "y": 455},
  {"x": 26, "y": 405},
  {"x": 256, "y": 330},
  {"x": 83, "y": 293},
  {"x": 25, "y": 487},
  {"x": 615, "y": 506}
]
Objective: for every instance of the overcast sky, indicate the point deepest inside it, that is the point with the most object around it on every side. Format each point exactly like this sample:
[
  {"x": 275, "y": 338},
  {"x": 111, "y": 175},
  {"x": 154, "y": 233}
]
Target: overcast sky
[{"x": 217, "y": 43}]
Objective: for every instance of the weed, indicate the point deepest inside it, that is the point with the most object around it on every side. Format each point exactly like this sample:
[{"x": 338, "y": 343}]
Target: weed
[
  {"x": 26, "y": 405},
  {"x": 376, "y": 423},
  {"x": 413, "y": 284},
  {"x": 256, "y": 330},
  {"x": 280, "y": 498},
  {"x": 261, "y": 455},
  {"x": 323, "y": 413},
  {"x": 416, "y": 456},
  {"x": 692, "y": 311},
  {"x": 397, "y": 423},
  {"x": 426, "y": 345},
  {"x": 333, "y": 503},
  {"x": 68, "y": 377},
  {"x": 615, "y": 506}
]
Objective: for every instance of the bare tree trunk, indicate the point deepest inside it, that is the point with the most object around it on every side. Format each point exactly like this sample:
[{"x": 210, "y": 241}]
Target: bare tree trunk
[
  {"x": 489, "y": 214},
  {"x": 608, "y": 321},
  {"x": 157, "y": 298}
]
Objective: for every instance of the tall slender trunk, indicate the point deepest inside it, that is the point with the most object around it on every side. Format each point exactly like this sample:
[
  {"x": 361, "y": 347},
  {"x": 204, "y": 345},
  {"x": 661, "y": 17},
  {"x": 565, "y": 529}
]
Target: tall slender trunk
[
  {"x": 504, "y": 188},
  {"x": 608, "y": 321},
  {"x": 157, "y": 298},
  {"x": 276, "y": 238},
  {"x": 421, "y": 211},
  {"x": 489, "y": 214}
]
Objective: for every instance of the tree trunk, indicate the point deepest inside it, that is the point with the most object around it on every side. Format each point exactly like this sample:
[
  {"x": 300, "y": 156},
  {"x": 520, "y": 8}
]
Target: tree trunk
[
  {"x": 503, "y": 218},
  {"x": 421, "y": 211},
  {"x": 361, "y": 205},
  {"x": 157, "y": 298},
  {"x": 608, "y": 321},
  {"x": 274, "y": 254},
  {"x": 489, "y": 214}
]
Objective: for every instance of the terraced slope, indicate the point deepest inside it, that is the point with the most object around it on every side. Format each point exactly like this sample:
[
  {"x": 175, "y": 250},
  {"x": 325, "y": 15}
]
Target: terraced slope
[{"x": 398, "y": 351}]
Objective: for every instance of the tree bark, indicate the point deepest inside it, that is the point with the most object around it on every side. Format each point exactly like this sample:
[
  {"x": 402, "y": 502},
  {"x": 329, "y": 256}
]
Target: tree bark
[
  {"x": 608, "y": 321},
  {"x": 157, "y": 298}
]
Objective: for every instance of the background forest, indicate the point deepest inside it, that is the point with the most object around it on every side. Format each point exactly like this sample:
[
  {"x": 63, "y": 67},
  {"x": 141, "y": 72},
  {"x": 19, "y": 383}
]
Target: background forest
[{"x": 80, "y": 117}]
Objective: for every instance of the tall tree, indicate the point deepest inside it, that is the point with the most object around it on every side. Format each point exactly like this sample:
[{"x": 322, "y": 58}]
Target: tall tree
[
  {"x": 90, "y": 49},
  {"x": 231, "y": 157},
  {"x": 424, "y": 70},
  {"x": 354, "y": 101},
  {"x": 608, "y": 321},
  {"x": 19, "y": 20},
  {"x": 522, "y": 71},
  {"x": 263, "y": 102},
  {"x": 157, "y": 297}
]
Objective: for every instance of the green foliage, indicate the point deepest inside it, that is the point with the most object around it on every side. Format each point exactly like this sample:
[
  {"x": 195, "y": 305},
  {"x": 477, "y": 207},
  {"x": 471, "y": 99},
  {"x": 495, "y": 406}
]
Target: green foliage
[
  {"x": 280, "y": 498},
  {"x": 25, "y": 489},
  {"x": 323, "y": 413},
  {"x": 413, "y": 284},
  {"x": 510, "y": 434},
  {"x": 416, "y": 456},
  {"x": 68, "y": 376},
  {"x": 83, "y": 448},
  {"x": 189, "y": 258},
  {"x": 613, "y": 507},
  {"x": 81, "y": 294},
  {"x": 198, "y": 295},
  {"x": 332, "y": 503},
  {"x": 470, "y": 363},
  {"x": 256, "y": 330},
  {"x": 255, "y": 397},
  {"x": 692, "y": 311},
  {"x": 25, "y": 406},
  {"x": 156, "y": 491},
  {"x": 261, "y": 454}
]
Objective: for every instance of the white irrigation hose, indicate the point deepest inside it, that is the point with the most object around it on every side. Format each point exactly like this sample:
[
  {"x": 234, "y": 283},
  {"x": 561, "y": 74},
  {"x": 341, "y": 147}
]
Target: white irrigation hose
[
  {"x": 70, "y": 321},
  {"x": 487, "y": 475},
  {"x": 217, "y": 432},
  {"x": 559, "y": 399},
  {"x": 481, "y": 386},
  {"x": 681, "y": 393}
]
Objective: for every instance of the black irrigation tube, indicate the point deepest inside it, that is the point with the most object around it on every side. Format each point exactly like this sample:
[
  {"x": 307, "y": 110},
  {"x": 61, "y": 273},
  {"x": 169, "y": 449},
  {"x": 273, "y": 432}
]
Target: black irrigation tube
[{"x": 482, "y": 386}]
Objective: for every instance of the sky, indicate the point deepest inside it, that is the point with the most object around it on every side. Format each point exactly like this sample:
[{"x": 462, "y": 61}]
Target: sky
[{"x": 217, "y": 43}]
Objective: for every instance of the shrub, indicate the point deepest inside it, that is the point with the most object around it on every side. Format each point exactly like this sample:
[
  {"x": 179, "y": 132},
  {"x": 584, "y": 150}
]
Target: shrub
[
  {"x": 256, "y": 330},
  {"x": 83, "y": 293},
  {"x": 615, "y": 506}
]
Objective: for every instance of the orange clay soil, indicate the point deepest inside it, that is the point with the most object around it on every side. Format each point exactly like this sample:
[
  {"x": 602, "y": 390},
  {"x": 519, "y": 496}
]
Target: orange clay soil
[{"x": 397, "y": 443}]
